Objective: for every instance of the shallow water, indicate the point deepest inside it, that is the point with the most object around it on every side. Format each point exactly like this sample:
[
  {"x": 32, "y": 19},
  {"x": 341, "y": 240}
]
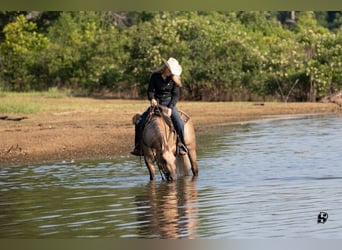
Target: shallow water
[{"x": 263, "y": 179}]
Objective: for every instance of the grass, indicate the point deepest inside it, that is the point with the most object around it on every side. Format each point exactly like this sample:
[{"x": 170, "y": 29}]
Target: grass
[
  {"x": 54, "y": 101},
  {"x": 10, "y": 106},
  {"x": 52, "y": 92},
  {"x": 29, "y": 102}
]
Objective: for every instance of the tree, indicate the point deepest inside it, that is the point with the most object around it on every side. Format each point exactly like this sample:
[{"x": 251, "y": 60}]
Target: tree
[
  {"x": 244, "y": 55},
  {"x": 86, "y": 53},
  {"x": 321, "y": 55},
  {"x": 150, "y": 42},
  {"x": 20, "y": 61}
]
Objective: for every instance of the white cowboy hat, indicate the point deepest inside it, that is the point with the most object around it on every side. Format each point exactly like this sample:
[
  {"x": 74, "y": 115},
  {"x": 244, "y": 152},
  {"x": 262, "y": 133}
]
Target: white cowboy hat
[{"x": 174, "y": 66}]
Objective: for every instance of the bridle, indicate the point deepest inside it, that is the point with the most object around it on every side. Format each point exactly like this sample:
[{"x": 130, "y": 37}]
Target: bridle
[{"x": 157, "y": 110}]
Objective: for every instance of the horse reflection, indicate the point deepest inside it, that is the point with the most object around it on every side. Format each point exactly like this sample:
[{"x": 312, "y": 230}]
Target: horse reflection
[{"x": 169, "y": 209}]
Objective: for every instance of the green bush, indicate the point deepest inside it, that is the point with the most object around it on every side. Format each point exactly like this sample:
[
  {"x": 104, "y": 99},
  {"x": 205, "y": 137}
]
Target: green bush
[{"x": 243, "y": 55}]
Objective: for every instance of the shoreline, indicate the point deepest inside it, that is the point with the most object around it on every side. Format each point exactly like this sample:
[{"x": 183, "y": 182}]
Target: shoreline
[{"x": 103, "y": 129}]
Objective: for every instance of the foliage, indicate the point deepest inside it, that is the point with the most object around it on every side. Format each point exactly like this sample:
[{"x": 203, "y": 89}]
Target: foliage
[
  {"x": 254, "y": 55},
  {"x": 20, "y": 55},
  {"x": 86, "y": 52}
]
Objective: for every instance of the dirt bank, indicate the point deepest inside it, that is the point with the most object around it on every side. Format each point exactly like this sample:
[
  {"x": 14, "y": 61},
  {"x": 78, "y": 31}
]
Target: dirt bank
[{"x": 81, "y": 128}]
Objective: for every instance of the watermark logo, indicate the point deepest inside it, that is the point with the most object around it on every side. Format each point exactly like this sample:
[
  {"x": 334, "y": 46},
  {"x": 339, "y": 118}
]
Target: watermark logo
[{"x": 322, "y": 217}]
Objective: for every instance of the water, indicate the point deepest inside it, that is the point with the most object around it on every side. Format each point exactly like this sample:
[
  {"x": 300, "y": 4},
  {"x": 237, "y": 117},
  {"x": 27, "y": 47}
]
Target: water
[{"x": 264, "y": 179}]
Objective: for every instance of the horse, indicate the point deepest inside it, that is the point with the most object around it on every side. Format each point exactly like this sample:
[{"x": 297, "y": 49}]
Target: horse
[{"x": 159, "y": 144}]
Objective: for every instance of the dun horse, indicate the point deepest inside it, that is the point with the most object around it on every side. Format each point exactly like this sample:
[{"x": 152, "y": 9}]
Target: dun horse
[{"x": 159, "y": 144}]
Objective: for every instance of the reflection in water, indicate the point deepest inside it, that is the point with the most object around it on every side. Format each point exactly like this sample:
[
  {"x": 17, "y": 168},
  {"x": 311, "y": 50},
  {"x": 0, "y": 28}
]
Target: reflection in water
[
  {"x": 170, "y": 208},
  {"x": 94, "y": 201}
]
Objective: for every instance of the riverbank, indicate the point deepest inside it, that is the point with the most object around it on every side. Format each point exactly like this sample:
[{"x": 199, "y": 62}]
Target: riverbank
[{"x": 65, "y": 129}]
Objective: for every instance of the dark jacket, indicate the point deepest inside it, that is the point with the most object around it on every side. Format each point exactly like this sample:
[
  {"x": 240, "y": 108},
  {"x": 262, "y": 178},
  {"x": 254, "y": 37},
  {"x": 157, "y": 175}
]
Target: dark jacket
[{"x": 162, "y": 90}]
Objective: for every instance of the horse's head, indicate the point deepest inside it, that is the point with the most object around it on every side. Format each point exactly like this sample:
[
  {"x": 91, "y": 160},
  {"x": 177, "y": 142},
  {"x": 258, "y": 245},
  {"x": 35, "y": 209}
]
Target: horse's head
[
  {"x": 159, "y": 144},
  {"x": 167, "y": 163}
]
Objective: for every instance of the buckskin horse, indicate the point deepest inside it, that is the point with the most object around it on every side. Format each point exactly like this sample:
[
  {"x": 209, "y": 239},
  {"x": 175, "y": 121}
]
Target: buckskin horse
[{"x": 159, "y": 144}]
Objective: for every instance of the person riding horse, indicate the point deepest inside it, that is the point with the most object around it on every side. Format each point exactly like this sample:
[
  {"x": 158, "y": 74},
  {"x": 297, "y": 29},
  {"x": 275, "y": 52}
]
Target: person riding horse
[{"x": 163, "y": 89}]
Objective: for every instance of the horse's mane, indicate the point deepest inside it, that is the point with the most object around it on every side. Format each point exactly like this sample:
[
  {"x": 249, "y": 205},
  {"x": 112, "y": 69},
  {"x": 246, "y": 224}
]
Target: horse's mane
[{"x": 161, "y": 125}]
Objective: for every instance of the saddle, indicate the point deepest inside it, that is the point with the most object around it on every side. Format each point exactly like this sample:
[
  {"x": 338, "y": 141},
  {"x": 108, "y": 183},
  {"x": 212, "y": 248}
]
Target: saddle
[
  {"x": 184, "y": 116},
  {"x": 162, "y": 110}
]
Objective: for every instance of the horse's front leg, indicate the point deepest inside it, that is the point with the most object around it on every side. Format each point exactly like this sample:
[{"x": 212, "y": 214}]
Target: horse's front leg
[{"x": 149, "y": 161}]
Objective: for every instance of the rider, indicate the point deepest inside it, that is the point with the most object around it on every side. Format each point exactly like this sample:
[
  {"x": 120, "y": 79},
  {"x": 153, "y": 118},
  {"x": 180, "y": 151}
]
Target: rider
[{"x": 164, "y": 86}]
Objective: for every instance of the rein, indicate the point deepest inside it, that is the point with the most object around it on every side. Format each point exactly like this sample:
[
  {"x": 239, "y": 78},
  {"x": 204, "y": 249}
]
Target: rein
[{"x": 164, "y": 117}]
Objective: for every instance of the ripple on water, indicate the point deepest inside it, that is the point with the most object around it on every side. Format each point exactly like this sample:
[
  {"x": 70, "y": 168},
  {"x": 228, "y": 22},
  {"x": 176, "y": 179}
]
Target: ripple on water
[{"x": 257, "y": 180}]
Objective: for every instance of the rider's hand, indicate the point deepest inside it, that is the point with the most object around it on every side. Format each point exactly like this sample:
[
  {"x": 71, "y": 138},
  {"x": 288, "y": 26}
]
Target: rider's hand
[
  {"x": 154, "y": 102},
  {"x": 169, "y": 112}
]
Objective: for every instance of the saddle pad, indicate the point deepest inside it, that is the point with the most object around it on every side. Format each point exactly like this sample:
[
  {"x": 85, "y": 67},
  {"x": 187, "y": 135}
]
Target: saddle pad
[{"x": 184, "y": 116}]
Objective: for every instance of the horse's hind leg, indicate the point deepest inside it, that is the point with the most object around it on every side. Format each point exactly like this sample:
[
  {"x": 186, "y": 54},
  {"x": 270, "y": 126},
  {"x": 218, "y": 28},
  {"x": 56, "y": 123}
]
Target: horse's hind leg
[{"x": 193, "y": 161}]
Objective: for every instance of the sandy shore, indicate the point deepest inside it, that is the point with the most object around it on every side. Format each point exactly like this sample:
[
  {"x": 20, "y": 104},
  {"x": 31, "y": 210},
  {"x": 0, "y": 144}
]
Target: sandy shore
[{"x": 85, "y": 128}]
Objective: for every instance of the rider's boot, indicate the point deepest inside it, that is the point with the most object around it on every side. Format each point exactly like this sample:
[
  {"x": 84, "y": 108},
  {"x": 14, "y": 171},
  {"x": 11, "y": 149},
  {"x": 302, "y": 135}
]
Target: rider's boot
[
  {"x": 137, "y": 151},
  {"x": 137, "y": 148}
]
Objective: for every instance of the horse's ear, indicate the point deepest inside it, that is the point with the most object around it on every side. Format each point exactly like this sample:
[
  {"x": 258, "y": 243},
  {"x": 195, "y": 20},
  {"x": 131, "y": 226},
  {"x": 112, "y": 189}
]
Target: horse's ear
[{"x": 135, "y": 118}]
